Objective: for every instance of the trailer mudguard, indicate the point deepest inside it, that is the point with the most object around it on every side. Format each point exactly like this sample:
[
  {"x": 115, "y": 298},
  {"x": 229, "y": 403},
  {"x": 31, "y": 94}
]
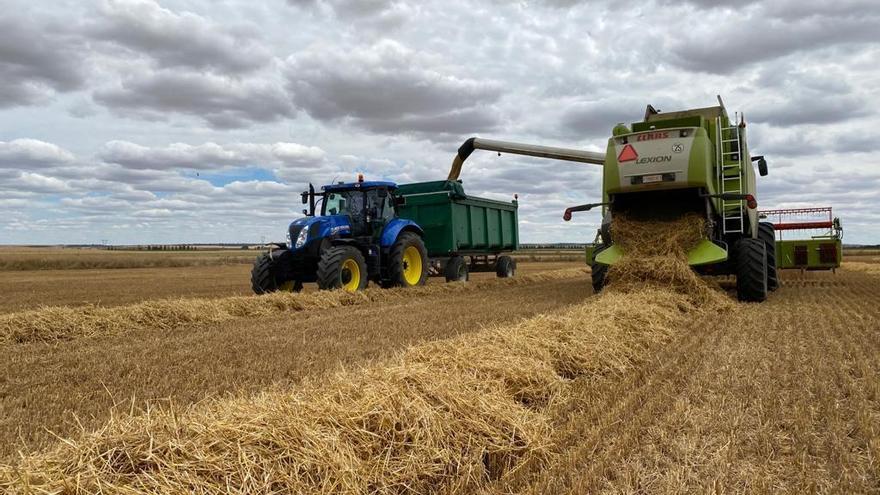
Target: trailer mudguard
[
  {"x": 705, "y": 252},
  {"x": 393, "y": 229}
]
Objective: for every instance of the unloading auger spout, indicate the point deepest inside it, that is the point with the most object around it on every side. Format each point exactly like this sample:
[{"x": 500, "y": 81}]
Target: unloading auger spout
[{"x": 568, "y": 154}]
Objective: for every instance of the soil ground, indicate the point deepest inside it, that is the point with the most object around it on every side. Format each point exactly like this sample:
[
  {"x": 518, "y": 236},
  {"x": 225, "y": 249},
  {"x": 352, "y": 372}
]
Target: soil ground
[{"x": 782, "y": 398}]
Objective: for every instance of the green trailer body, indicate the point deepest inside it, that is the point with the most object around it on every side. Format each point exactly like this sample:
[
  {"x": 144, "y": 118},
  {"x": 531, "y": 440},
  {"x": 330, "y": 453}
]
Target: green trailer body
[
  {"x": 457, "y": 224},
  {"x": 822, "y": 253}
]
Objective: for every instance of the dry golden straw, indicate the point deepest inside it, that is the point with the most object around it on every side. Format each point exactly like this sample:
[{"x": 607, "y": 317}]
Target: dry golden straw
[
  {"x": 59, "y": 323},
  {"x": 443, "y": 417}
]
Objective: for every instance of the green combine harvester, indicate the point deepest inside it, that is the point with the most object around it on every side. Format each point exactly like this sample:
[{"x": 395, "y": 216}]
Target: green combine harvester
[{"x": 668, "y": 165}]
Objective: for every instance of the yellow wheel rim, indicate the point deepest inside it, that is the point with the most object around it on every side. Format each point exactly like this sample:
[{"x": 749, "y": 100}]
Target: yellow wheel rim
[
  {"x": 286, "y": 286},
  {"x": 412, "y": 265},
  {"x": 350, "y": 275}
]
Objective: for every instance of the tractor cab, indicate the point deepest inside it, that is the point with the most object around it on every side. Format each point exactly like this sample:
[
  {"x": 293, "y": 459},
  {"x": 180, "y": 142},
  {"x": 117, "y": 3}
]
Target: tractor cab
[{"x": 368, "y": 205}]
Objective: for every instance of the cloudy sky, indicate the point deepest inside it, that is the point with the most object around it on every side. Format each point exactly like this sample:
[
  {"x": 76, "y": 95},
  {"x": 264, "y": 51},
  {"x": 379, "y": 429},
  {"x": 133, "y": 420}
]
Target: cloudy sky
[{"x": 142, "y": 121}]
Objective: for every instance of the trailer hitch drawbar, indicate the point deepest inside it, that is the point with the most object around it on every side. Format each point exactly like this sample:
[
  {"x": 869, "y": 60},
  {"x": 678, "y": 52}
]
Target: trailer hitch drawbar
[{"x": 587, "y": 207}]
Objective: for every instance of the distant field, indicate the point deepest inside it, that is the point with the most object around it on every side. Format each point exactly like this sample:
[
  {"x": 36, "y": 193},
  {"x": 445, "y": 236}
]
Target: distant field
[{"x": 52, "y": 258}]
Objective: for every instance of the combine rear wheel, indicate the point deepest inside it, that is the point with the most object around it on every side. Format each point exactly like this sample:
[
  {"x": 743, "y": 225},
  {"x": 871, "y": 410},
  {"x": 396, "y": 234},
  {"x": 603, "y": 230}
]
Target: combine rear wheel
[
  {"x": 598, "y": 271},
  {"x": 505, "y": 267},
  {"x": 456, "y": 269},
  {"x": 342, "y": 267},
  {"x": 751, "y": 270},
  {"x": 408, "y": 261},
  {"x": 265, "y": 275},
  {"x": 767, "y": 233}
]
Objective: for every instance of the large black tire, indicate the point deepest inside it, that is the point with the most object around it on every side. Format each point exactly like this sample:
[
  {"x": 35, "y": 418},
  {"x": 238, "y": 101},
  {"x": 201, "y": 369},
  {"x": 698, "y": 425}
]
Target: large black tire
[
  {"x": 767, "y": 233},
  {"x": 399, "y": 266},
  {"x": 265, "y": 275},
  {"x": 456, "y": 269},
  {"x": 598, "y": 271},
  {"x": 751, "y": 270},
  {"x": 505, "y": 267},
  {"x": 336, "y": 269}
]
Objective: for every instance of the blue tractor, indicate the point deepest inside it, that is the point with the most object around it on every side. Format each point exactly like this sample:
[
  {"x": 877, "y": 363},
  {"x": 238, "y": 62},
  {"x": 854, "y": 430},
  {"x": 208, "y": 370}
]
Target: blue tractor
[{"x": 357, "y": 237}]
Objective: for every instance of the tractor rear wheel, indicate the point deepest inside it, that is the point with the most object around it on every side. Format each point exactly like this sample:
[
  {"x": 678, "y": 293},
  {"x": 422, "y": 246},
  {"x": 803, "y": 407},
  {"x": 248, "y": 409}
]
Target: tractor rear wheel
[
  {"x": 767, "y": 233},
  {"x": 265, "y": 275},
  {"x": 598, "y": 271},
  {"x": 751, "y": 270},
  {"x": 407, "y": 261},
  {"x": 505, "y": 267},
  {"x": 342, "y": 267},
  {"x": 456, "y": 269}
]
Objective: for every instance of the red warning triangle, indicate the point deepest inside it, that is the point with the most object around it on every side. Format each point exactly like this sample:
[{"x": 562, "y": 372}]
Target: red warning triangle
[{"x": 627, "y": 154}]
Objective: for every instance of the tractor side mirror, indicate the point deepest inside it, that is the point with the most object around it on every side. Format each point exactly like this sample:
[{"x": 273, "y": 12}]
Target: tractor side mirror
[{"x": 305, "y": 197}]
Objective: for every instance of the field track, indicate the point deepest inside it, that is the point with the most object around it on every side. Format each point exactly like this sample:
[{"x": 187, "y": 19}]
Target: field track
[
  {"x": 784, "y": 398},
  {"x": 780, "y": 397},
  {"x": 46, "y": 387},
  {"x": 117, "y": 286}
]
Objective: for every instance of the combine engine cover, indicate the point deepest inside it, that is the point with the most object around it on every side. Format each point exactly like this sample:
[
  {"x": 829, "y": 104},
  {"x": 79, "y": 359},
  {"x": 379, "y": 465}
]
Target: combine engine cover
[{"x": 661, "y": 159}]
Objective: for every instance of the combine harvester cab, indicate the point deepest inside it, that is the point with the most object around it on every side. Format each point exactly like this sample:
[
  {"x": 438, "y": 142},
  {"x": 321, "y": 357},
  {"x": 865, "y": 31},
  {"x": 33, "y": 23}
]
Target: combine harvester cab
[
  {"x": 394, "y": 236},
  {"x": 821, "y": 250},
  {"x": 669, "y": 165}
]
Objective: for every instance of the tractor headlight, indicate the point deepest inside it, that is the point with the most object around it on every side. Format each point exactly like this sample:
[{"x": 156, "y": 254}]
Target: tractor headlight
[
  {"x": 288, "y": 240},
  {"x": 302, "y": 238}
]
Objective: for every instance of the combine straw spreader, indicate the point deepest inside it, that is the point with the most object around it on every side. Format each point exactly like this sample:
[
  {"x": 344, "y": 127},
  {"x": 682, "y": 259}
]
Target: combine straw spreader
[{"x": 668, "y": 165}]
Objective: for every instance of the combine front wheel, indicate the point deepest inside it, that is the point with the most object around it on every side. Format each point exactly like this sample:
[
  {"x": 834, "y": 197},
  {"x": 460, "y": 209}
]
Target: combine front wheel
[
  {"x": 751, "y": 270},
  {"x": 598, "y": 271},
  {"x": 767, "y": 233}
]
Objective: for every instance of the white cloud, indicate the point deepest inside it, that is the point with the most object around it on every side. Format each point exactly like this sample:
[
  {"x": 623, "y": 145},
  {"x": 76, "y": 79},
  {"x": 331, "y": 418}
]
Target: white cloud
[
  {"x": 32, "y": 154},
  {"x": 202, "y": 121}
]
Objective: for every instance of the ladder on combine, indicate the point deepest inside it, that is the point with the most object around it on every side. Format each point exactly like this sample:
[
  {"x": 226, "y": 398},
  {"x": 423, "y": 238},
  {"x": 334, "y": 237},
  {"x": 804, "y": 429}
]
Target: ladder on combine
[{"x": 729, "y": 157}]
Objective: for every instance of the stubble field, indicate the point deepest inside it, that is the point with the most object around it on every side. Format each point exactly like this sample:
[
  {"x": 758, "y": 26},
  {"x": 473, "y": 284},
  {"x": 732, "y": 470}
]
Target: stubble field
[{"x": 665, "y": 394}]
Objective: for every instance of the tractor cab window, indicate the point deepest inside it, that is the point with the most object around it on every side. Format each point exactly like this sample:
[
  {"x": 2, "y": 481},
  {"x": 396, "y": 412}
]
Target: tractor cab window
[
  {"x": 379, "y": 207},
  {"x": 344, "y": 203}
]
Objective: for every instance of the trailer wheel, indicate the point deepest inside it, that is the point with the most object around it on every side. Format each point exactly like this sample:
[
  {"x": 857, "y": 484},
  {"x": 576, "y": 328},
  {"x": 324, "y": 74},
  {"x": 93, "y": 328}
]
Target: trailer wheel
[
  {"x": 342, "y": 267},
  {"x": 767, "y": 233},
  {"x": 751, "y": 270},
  {"x": 408, "y": 261},
  {"x": 457, "y": 269},
  {"x": 505, "y": 267},
  {"x": 265, "y": 275},
  {"x": 598, "y": 271}
]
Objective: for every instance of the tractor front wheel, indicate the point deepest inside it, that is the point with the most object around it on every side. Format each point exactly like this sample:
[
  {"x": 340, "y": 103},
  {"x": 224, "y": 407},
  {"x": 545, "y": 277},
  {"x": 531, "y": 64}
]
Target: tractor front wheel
[
  {"x": 767, "y": 233},
  {"x": 342, "y": 267},
  {"x": 266, "y": 275},
  {"x": 407, "y": 261},
  {"x": 456, "y": 269},
  {"x": 751, "y": 270}
]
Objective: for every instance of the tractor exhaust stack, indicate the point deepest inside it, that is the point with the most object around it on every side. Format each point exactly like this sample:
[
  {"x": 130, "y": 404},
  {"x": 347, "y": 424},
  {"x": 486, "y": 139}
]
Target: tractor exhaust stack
[{"x": 568, "y": 154}]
